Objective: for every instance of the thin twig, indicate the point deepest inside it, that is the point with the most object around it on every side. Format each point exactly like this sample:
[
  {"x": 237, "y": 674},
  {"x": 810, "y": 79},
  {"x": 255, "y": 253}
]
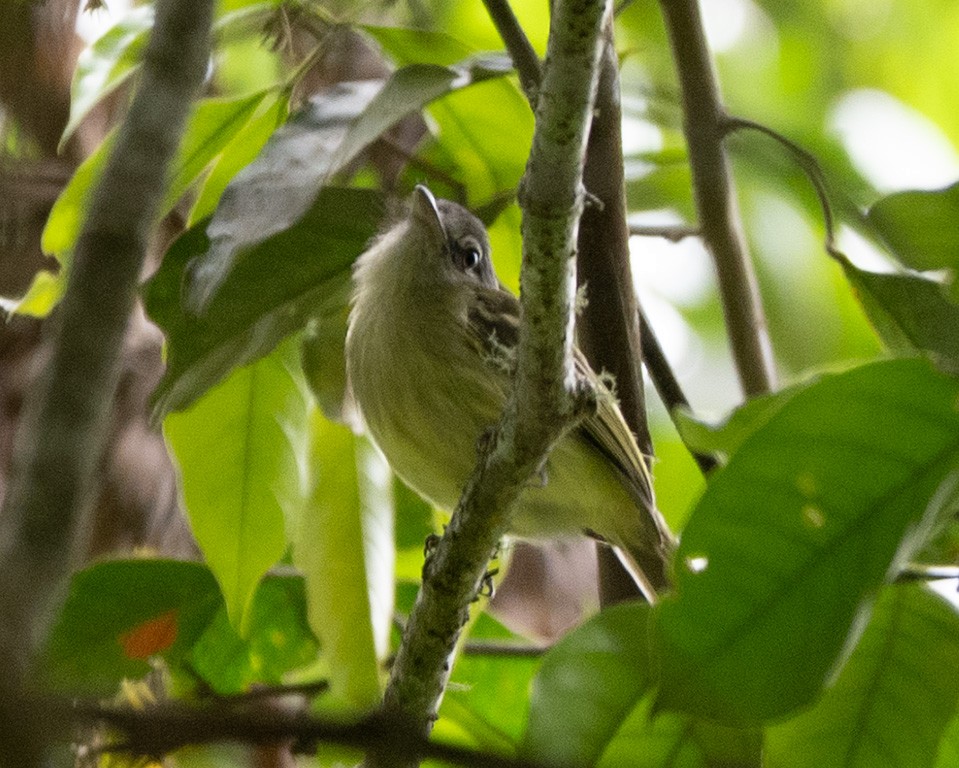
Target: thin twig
[
  {"x": 667, "y": 385},
  {"x": 414, "y": 160},
  {"x": 607, "y": 329},
  {"x": 511, "y": 650},
  {"x": 672, "y": 232},
  {"x": 520, "y": 49},
  {"x": 160, "y": 730},
  {"x": 653, "y": 356},
  {"x": 718, "y": 214},
  {"x": 62, "y": 432},
  {"x": 261, "y": 692},
  {"x": 808, "y": 164}
]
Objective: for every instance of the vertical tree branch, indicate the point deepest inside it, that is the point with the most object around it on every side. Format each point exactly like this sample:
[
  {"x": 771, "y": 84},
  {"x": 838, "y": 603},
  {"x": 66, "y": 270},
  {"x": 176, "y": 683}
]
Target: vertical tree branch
[
  {"x": 62, "y": 433},
  {"x": 704, "y": 121},
  {"x": 608, "y": 329},
  {"x": 545, "y": 402}
]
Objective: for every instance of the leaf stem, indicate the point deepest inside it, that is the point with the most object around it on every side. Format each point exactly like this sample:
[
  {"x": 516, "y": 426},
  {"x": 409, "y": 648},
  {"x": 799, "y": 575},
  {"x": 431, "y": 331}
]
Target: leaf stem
[{"x": 809, "y": 166}]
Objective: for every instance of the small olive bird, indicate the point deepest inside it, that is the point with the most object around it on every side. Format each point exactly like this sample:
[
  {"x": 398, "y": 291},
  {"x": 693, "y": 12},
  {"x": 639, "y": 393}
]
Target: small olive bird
[{"x": 430, "y": 352}]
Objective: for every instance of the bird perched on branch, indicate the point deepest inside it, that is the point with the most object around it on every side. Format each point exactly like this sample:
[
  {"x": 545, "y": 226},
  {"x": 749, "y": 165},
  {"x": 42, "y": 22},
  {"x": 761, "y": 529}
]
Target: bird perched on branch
[{"x": 430, "y": 352}]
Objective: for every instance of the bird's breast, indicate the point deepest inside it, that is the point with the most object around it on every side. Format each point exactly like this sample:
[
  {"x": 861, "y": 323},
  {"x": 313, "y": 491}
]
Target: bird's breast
[{"x": 425, "y": 395}]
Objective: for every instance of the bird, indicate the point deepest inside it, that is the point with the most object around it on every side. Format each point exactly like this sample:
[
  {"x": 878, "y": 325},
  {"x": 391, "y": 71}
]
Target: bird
[{"x": 430, "y": 352}]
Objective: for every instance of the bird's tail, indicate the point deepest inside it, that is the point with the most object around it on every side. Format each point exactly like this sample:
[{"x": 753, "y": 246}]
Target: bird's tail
[{"x": 647, "y": 554}]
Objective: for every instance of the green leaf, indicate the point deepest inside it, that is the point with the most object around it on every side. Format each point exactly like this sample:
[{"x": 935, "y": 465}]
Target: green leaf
[
  {"x": 647, "y": 739},
  {"x": 45, "y": 291},
  {"x": 242, "y": 149},
  {"x": 920, "y": 227},
  {"x": 119, "y": 613},
  {"x": 486, "y": 131},
  {"x": 241, "y": 452},
  {"x": 726, "y": 437},
  {"x": 423, "y": 46},
  {"x": 408, "y": 90},
  {"x": 586, "y": 686},
  {"x": 910, "y": 313},
  {"x": 278, "y": 640},
  {"x": 487, "y": 698},
  {"x": 893, "y": 699},
  {"x": 66, "y": 217},
  {"x": 792, "y": 537},
  {"x": 107, "y": 64},
  {"x": 273, "y": 192},
  {"x": 272, "y": 290},
  {"x": 245, "y": 21},
  {"x": 212, "y": 125},
  {"x": 345, "y": 547},
  {"x": 949, "y": 746}
]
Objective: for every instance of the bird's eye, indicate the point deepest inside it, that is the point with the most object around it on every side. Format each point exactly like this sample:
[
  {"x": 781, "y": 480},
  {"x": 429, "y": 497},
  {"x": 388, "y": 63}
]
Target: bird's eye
[
  {"x": 471, "y": 257},
  {"x": 466, "y": 254}
]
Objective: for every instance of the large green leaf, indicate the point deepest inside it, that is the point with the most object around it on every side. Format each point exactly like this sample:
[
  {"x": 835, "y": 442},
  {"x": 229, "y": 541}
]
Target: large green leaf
[
  {"x": 921, "y": 227},
  {"x": 272, "y": 290},
  {"x": 419, "y": 46},
  {"x": 242, "y": 150},
  {"x": 592, "y": 704},
  {"x": 213, "y": 124},
  {"x": 120, "y": 613},
  {"x": 910, "y": 313},
  {"x": 647, "y": 739},
  {"x": 486, "y": 132},
  {"x": 792, "y": 537},
  {"x": 241, "y": 452},
  {"x": 894, "y": 697},
  {"x": 320, "y": 141},
  {"x": 278, "y": 640},
  {"x": 726, "y": 437},
  {"x": 344, "y": 546},
  {"x": 587, "y": 684}
]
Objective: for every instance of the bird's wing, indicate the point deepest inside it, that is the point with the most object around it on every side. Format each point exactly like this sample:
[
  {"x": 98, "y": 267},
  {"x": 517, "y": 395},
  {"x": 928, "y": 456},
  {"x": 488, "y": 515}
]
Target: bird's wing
[
  {"x": 607, "y": 430},
  {"x": 493, "y": 320}
]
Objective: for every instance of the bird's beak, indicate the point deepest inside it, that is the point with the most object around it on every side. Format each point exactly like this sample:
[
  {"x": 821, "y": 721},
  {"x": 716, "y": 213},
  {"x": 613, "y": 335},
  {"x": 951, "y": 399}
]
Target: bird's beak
[{"x": 426, "y": 213}]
